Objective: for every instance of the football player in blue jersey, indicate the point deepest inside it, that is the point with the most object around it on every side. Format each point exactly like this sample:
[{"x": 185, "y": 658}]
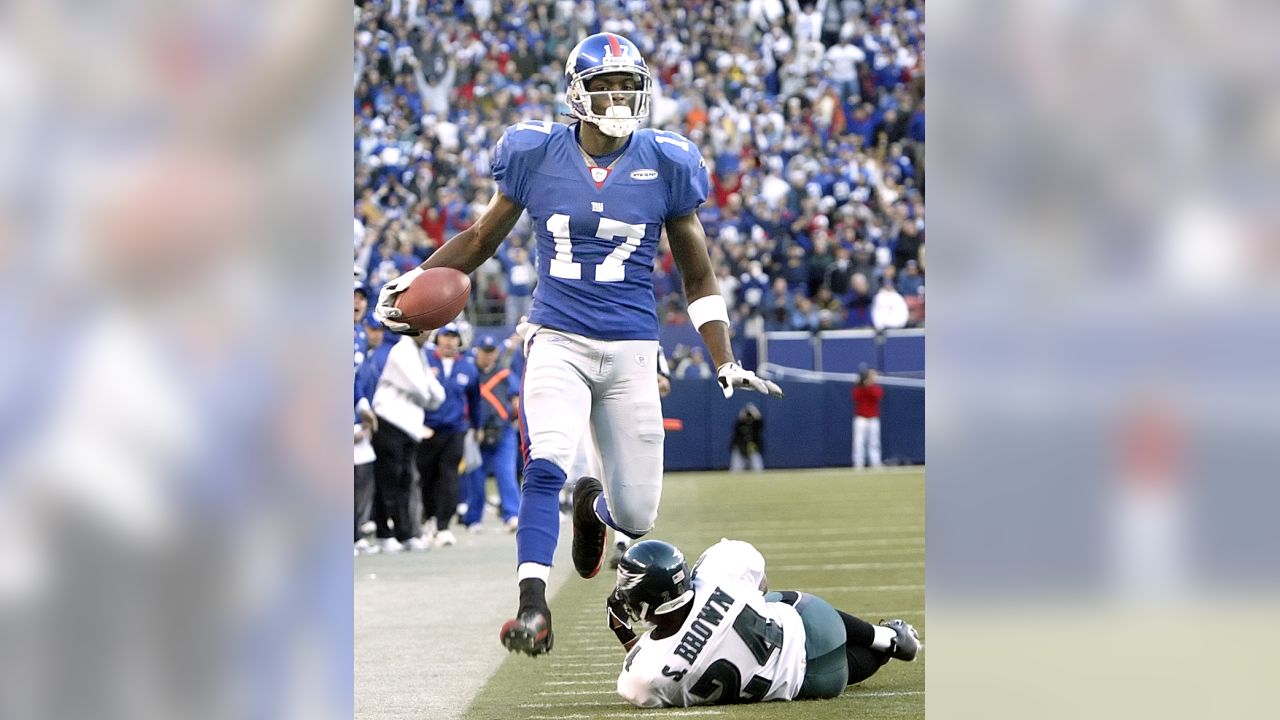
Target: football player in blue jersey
[{"x": 599, "y": 192}]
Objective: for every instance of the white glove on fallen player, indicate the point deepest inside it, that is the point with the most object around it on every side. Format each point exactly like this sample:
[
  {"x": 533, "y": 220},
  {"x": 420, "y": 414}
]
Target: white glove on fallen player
[
  {"x": 731, "y": 375},
  {"x": 386, "y": 311}
]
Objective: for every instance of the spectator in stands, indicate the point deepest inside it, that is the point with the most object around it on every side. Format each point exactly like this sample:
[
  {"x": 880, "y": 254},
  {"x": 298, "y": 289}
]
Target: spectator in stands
[
  {"x": 694, "y": 364},
  {"x": 841, "y": 67},
  {"x": 864, "y": 261},
  {"x": 910, "y": 281},
  {"x": 858, "y": 302},
  {"x": 361, "y": 342},
  {"x": 820, "y": 260},
  {"x": 796, "y": 272},
  {"x": 866, "y": 396},
  {"x": 747, "y": 445},
  {"x": 805, "y": 316},
  {"x": 888, "y": 308},
  {"x": 908, "y": 245},
  {"x": 753, "y": 285},
  {"x": 521, "y": 278},
  {"x": 911, "y": 285},
  {"x": 838, "y": 273}
]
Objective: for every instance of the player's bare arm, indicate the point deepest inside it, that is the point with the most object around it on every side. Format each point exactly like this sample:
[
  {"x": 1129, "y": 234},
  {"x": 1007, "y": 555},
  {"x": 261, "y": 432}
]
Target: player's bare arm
[
  {"x": 689, "y": 248},
  {"x": 706, "y": 308},
  {"x": 467, "y": 250},
  {"x": 464, "y": 252}
]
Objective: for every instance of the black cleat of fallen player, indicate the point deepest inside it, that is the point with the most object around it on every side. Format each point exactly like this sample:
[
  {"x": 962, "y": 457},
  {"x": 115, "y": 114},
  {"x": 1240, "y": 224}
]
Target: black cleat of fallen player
[
  {"x": 907, "y": 644},
  {"x": 619, "y": 549},
  {"x": 589, "y": 533}
]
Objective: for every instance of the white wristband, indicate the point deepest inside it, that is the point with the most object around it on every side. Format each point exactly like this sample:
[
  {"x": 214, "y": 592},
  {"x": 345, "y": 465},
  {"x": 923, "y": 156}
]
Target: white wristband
[{"x": 706, "y": 309}]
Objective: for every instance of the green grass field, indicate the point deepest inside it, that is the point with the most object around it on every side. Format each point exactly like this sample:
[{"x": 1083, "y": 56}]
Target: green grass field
[{"x": 855, "y": 538}]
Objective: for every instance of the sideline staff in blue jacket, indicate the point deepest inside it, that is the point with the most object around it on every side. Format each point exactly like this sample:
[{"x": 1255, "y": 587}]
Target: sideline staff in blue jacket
[{"x": 440, "y": 454}]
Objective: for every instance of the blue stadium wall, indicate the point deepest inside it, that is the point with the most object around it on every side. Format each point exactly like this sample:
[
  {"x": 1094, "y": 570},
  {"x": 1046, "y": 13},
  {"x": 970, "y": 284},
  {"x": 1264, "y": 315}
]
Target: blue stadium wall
[{"x": 811, "y": 427}]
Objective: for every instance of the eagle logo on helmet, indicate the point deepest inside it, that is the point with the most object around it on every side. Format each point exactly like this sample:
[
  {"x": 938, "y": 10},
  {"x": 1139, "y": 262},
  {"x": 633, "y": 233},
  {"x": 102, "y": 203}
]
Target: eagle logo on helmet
[{"x": 653, "y": 577}]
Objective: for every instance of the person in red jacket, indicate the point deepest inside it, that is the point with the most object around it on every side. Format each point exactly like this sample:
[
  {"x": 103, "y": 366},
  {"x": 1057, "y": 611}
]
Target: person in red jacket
[{"x": 866, "y": 420}]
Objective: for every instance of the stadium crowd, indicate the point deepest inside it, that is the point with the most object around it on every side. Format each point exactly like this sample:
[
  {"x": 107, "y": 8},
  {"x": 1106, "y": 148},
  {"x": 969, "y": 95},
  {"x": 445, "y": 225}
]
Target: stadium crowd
[{"x": 810, "y": 117}]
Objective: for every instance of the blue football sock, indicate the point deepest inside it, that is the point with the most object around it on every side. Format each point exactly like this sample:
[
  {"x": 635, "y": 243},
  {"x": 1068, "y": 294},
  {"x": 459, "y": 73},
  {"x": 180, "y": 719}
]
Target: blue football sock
[{"x": 539, "y": 527}]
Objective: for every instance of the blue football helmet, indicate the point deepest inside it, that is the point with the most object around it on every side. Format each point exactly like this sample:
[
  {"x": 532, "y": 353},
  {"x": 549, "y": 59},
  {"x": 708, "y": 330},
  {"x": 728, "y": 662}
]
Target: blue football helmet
[
  {"x": 653, "y": 578},
  {"x": 604, "y": 54}
]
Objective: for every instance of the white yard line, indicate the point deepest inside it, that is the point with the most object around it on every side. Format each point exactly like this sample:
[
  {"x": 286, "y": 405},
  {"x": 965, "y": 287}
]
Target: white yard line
[
  {"x": 632, "y": 714},
  {"x": 595, "y": 657},
  {"x": 790, "y": 528},
  {"x": 856, "y": 566},
  {"x": 863, "y": 588},
  {"x": 768, "y": 547},
  {"x": 888, "y": 613},
  {"x": 780, "y": 557}
]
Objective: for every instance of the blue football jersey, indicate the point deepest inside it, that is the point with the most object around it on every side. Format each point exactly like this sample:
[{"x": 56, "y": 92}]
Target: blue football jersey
[{"x": 597, "y": 240}]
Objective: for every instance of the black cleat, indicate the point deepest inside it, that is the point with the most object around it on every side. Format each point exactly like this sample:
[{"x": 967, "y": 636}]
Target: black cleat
[
  {"x": 589, "y": 533},
  {"x": 619, "y": 549},
  {"x": 907, "y": 645},
  {"x": 530, "y": 633}
]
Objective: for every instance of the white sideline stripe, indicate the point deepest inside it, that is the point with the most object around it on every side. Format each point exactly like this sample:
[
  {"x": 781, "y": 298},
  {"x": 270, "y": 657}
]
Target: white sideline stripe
[
  {"x": 589, "y": 665},
  {"x": 862, "y": 588},
  {"x": 566, "y": 693},
  {"x": 856, "y": 566},
  {"x": 601, "y": 681}
]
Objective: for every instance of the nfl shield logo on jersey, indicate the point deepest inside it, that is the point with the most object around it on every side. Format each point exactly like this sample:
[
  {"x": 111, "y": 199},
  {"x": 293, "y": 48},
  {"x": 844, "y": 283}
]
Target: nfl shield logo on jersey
[{"x": 599, "y": 174}]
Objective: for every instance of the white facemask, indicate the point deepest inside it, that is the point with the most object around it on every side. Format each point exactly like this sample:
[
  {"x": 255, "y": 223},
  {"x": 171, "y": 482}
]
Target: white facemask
[{"x": 618, "y": 121}]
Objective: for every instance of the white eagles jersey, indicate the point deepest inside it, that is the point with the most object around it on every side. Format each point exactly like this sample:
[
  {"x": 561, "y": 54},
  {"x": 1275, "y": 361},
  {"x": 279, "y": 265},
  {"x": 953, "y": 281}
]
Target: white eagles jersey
[{"x": 733, "y": 647}]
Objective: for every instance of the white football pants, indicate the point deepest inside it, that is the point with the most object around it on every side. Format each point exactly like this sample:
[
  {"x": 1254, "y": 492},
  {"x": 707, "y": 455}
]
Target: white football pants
[
  {"x": 866, "y": 441},
  {"x": 572, "y": 383}
]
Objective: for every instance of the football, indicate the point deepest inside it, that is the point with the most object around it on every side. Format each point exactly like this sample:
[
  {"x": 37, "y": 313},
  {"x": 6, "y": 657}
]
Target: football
[{"x": 434, "y": 298}]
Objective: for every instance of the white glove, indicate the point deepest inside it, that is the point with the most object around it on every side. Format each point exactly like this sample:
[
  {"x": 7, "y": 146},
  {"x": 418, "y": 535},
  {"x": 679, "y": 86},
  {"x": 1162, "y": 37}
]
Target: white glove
[
  {"x": 731, "y": 375},
  {"x": 386, "y": 311}
]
